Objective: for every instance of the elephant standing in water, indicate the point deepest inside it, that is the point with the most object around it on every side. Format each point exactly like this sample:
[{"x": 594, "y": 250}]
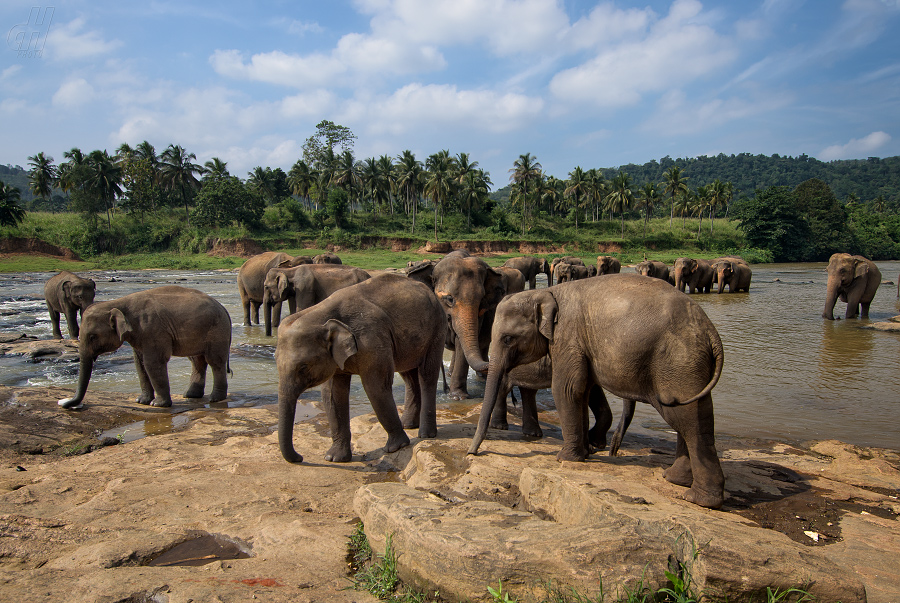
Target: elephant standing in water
[
  {"x": 569, "y": 259},
  {"x": 252, "y": 275},
  {"x": 70, "y": 295},
  {"x": 855, "y": 280},
  {"x": 664, "y": 351},
  {"x": 158, "y": 324},
  {"x": 607, "y": 264},
  {"x": 571, "y": 272},
  {"x": 734, "y": 272},
  {"x": 383, "y": 325},
  {"x": 530, "y": 267},
  {"x": 693, "y": 275},
  {"x": 655, "y": 269}
]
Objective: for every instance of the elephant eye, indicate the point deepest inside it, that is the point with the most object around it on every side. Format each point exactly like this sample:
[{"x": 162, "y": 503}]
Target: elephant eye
[
  {"x": 507, "y": 340},
  {"x": 448, "y": 300}
]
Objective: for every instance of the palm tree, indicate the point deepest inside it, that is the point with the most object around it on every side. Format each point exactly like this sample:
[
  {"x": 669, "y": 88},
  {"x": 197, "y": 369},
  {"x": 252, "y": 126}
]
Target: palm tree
[
  {"x": 215, "y": 168},
  {"x": 440, "y": 183},
  {"x": 716, "y": 199},
  {"x": 551, "y": 192},
  {"x": 700, "y": 202},
  {"x": 386, "y": 179},
  {"x": 473, "y": 191},
  {"x": 621, "y": 198},
  {"x": 346, "y": 174},
  {"x": 41, "y": 176},
  {"x": 301, "y": 179},
  {"x": 178, "y": 172},
  {"x": 260, "y": 180},
  {"x": 409, "y": 177},
  {"x": 878, "y": 204},
  {"x": 105, "y": 181},
  {"x": 526, "y": 170},
  {"x": 577, "y": 188},
  {"x": 682, "y": 204},
  {"x": 11, "y": 213},
  {"x": 649, "y": 199},
  {"x": 596, "y": 191},
  {"x": 124, "y": 153},
  {"x": 674, "y": 185}
]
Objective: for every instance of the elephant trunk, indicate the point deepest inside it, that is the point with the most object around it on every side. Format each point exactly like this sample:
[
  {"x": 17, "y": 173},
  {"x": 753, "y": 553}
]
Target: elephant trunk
[
  {"x": 491, "y": 391},
  {"x": 86, "y": 367},
  {"x": 831, "y": 299},
  {"x": 272, "y": 311},
  {"x": 680, "y": 283},
  {"x": 287, "y": 407},
  {"x": 721, "y": 279},
  {"x": 466, "y": 327}
]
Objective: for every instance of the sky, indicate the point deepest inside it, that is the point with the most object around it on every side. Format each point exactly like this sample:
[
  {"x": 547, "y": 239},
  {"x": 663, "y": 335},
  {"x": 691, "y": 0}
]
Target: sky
[{"x": 572, "y": 82}]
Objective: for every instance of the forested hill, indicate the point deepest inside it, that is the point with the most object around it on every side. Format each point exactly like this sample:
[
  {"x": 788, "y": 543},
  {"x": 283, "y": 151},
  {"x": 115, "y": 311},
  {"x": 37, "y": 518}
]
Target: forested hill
[{"x": 867, "y": 179}]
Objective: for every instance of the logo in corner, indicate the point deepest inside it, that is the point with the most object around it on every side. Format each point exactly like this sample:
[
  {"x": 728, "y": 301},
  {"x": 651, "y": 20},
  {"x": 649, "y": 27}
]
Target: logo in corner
[{"x": 28, "y": 39}]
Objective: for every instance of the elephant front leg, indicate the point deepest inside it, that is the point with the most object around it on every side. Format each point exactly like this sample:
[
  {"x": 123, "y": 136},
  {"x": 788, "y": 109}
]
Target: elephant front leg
[
  {"x": 198, "y": 378},
  {"x": 254, "y": 307},
  {"x": 220, "y": 377},
  {"x": 378, "y": 390},
  {"x": 54, "y": 320},
  {"x": 72, "y": 322},
  {"x": 412, "y": 405},
  {"x": 459, "y": 373},
  {"x": 336, "y": 400},
  {"x": 531, "y": 427},
  {"x": 156, "y": 365},
  {"x": 147, "y": 393},
  {"x": 570, "y": 393}
]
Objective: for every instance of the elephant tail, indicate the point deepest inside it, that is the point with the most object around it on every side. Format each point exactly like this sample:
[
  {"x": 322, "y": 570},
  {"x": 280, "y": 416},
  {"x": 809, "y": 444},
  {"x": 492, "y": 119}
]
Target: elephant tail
[{"x": 718, "y": 353}]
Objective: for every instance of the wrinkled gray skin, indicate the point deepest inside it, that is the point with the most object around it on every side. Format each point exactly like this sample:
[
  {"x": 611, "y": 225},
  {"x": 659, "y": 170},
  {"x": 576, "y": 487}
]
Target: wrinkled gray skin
[
  {"x": 606, "y": 264},
  {"x": 530, "y": 378},
  {"x": 732, "y": 272},
  {"x": 383, "y": 325},
  {"x": 513, "y": 279},
  {"x": 158, "y": 323},
  {"x": 571, "y": 272},
  {"x": 854, "y": 279},
  {"x": 327, "y": 258},
  {"x": 530, "y": 267},
  {"x": 252, "y": 275},
  {"x": 469, "y": 291},
  {"x": 70, "y": 295},
  {"x": 692, "y": 275},
  {"x": 655, "y": 269},
  {"x": 304, "y": 286},
  {"x": 663, "y": 351},
  {"x": 569, "y": 259}
]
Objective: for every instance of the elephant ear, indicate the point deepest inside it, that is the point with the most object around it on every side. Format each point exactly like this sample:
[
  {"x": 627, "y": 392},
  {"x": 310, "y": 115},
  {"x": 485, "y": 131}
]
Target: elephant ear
[
  {"x": 281, "y": 284},
  {"x": 341, "y": 342},
  {"x": 67, "y": 288},
  {"x": 861, "y": 269},
  {"x": 119, "y": 323},
  {"x": 423, "y": 273},
  {"x": 494, "y": 289},
  {"x": 546, "y": 309}
]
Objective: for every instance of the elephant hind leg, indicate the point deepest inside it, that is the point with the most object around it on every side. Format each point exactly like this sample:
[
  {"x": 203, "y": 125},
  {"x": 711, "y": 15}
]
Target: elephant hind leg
[
  {"x": 198, "y": 378},
  {"x": 599, "y": 406},
  {"x": 412, "y": 406},
  {"x": 378, "y": 390}
]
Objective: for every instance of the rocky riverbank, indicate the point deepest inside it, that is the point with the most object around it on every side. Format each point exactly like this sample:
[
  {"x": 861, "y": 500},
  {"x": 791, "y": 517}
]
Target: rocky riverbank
[{"x": 91, "y": 526}]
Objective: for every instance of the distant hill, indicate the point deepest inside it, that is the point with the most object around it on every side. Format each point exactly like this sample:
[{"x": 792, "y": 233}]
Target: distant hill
[
  {"x": 16, "y": 176},
  {"x": 865, "y": 178}
]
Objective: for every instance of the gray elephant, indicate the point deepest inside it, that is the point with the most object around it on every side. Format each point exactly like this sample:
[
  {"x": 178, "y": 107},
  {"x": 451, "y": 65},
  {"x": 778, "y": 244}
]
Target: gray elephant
[
  {"x": 327, "y": 258},
  {"x": 304, "y": 286},
  {"x": 469, "y": 291},
  {"x": 158, "y": 323},
  {"x": 568, "y": 259},
  {"x": 734, "y": 272},
  {"x": 607, "y": 264},
  {"x": 693, "y": 275},
  {"x": 664, "y": 351},
  {"x": 855, "y": 280},
  {"x": 571, "y": 272},
  {"x": 70, "y": 295},
  {"x": 530, "y": 267},
  {"x": 513, "y": 279},
  {"x": 252, "y": 275},
  {"x": 383, "y": 325},
  {"x": 655, "y": 269}
]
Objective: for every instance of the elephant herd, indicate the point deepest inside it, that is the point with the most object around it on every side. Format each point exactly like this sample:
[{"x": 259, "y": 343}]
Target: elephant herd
[{"x": 636, "y": 337}]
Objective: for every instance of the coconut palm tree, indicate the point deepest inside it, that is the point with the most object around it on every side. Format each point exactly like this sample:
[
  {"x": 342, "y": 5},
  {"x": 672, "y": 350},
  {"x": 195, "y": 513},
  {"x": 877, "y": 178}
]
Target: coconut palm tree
[
  {"x": 473, "y": 192},
  {"x": 551, "y": 192},
  {"x": 346, "y": 174},
  {"x": 648, "y": 199},
  {"x": 124, "y": 153},
  {"x": 215, "y": 168},
  {"x": 386, "y": 178},
  {"x": 260, "y": 180},
  {"x": 674, "y": 185},
  {"x": 440, "y": 183},
  {"x": 527, "y": 172},
  {"x": 177, "y": 172},
  {"x": 577, "y": 189},
  {"x": 700, "y": 202},
  {"x": 682, "y": 205},
  {"x": 11, "y": 213},
  {"x": 301, "y": 179},
  {"x": 41, "y": 176},
  {"x": 105, "y": 181},
  {"x": 410, "y": 175},
  {"x": 716, "y": 199},
  {"x": 621, "y": 198}
]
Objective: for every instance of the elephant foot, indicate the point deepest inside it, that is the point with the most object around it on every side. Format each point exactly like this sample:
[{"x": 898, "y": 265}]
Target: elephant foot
[
  {"x": 217, "y": 396},
  {"x": 428, "y": 433},
  {"x": 71, "y": 403},
  {"x": 398, "y": 441},
  {"x": 498, "y": 424},
  {"x": 459, "y": 394},
  {"x": 704, "y": 499},
  {"x": 679, "y": 475},
  {"x": 532, "y": 432},
  {"x": 569, "y": 454},
  {"x": 144, "y": 399},
  {"x": 161, "y": 403},
  {"x": 194, "y": 391},
  {"x": 597, "y": 439},
  {"x": 338, "y": 453}
]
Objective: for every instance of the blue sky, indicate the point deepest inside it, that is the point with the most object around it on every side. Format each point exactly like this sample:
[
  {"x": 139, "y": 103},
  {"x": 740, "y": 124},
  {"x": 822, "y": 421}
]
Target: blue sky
[{"x": 573, "y": 82}]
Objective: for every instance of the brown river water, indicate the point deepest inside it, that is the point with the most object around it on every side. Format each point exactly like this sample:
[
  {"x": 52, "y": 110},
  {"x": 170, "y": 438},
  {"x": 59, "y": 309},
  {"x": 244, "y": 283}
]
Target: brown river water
[{"x": 789, "y": 375}]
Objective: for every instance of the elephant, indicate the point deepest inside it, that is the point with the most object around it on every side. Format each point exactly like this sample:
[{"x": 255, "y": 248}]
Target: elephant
[
  {"x": 304, "y": 286},
  {"x": 372, "y": 329},
  {"x": 571, "y": 272},
  {"x": 327, "y": 258},
  {"x": 252, "y": 275},
  {"x": 158, "y": 323},
  {"x": 70, "y": 295},
  {"x": 530, "y": 267},
  {"x": 513, "y": 279},
  {"x": 855, "y": 280},
  {"x": 663, "y": 350},
  {"x": 569, "y": 259},
  {"x": 733, "y": 272},
  {"x": 469, "y": 291},
  {"x": 530, "y": 378},
  {"x": 607, "y": 264},
  {"x": 655, "y": 269},
  {"x": 693, "y": 275}
]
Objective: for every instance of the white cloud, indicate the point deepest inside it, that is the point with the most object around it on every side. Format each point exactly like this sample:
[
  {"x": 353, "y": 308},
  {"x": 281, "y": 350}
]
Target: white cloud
[
  {"x": 9, "y": 72},
  {"x": 313, "y": 71},
  {"x": 73, "y": 93},
  {"x": 69, "y": 42},
  {"x": 856, "y": 148}
]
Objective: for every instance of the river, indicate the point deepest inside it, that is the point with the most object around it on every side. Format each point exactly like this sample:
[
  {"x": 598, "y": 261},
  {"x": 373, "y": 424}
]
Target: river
[{"x": 789, "y": 375}]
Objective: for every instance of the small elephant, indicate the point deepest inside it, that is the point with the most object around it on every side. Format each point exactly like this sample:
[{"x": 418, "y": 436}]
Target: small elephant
[
  {"x": 571, "y": 272},
  {"x": 607, "y": 264},
  {"x": 655, "y": 269},
  {"x": 383, "y": 325},
  {"x": 569, "y": 259},
  {"x": 734, "y": 272},
  {"x": 252, "y": 275},
  {"x": 158, "y": 323},
  {"x": 304, "y": 286},
  {"x": 530, "y": 267},
  {"x": 855, "y": 280},
  {"x": 663, "y": 351},
  {"x": 693, "y": 275},
  {"x": 327, "y": 258},
  {"x": 513, "y": 279},
  {"x": 70, "y": 295}
]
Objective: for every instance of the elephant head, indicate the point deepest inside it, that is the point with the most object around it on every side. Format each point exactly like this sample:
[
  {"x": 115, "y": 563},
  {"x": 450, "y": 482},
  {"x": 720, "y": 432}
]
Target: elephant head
[
  {"x": 80, "y": 292},
  {"x": 276, "y": 289},
  {"x": 606, "y": 264},
  {"x": 724, "y": 272},
  {"x": 469, "y": 290}
]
